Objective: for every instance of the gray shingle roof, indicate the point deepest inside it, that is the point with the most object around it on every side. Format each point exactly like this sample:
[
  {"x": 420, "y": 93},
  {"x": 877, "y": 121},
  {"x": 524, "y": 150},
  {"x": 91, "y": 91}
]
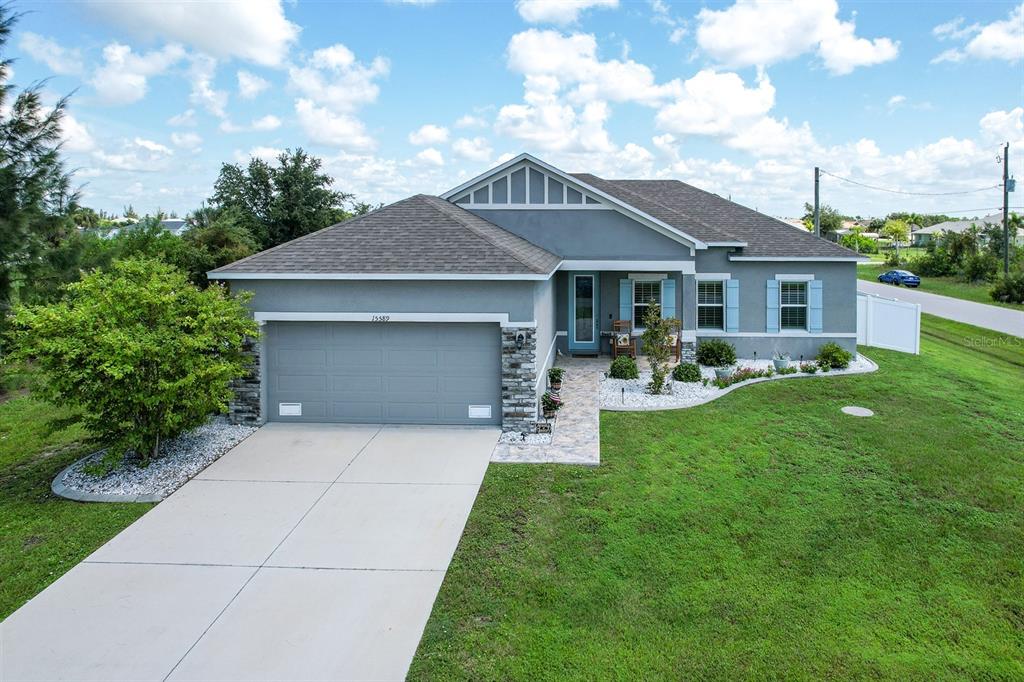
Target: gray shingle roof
[
  {"x": 711, "y": 218},
  {"x": 421, "y": 234}
]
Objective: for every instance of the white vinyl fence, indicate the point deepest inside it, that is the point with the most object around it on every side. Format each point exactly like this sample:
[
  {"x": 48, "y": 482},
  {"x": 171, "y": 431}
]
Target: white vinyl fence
[{"x": 888, "y": 323}]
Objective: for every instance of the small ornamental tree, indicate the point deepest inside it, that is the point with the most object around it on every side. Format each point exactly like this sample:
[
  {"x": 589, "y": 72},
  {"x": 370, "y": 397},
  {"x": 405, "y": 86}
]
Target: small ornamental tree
[
  {"x": 655, "y": 345},
  {"x": 141, "y": 352}
]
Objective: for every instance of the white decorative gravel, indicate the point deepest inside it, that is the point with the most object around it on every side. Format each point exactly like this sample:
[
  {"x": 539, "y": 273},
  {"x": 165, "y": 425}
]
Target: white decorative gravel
[
  {"x": 180, "y": 459},
  {"x": 631, "y": 394},
  {"x": 515, "y": 438}
]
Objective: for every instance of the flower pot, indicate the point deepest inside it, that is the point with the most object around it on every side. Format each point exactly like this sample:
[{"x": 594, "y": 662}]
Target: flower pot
[
  {"x": 549, "y": 414},
  {"x": 723, "y": 372},
  {"x": 556, "y": 385},
  {"x": 780, "y": 363}
]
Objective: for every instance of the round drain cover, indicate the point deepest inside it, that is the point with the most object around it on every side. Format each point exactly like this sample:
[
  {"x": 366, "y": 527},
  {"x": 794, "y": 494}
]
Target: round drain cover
[{"x": 858, "y": 411}]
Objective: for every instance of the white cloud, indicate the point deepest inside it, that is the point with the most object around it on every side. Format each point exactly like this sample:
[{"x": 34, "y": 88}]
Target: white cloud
[
  {"x": 1003, "y": 126},
  {"x": 475, "y": 149},
  {"x": 737, "y": 36},
  {"x": 662, "y": 14},
  {"x": 122, "y": 79},
  {"x": 771, "y": 137},
  {"x": 336, "y": 129},
  {"x": 189, "y": 141},
  {"x": 470, "y": 121},
  {"x": 268, "y": 154},
  {"x": 262, "y": 124},
  {"x": 558, "y": 11},
  {"x": 204, "y": 93},
  {"x": 333, "y": 86},
  {"x": 431, "y": 157},
  {"x": 255, "y": 30},
  {"x": 250, "y": 85},
  {"x": 1002, "y": 39},
  {"x": 896, "y": 101},
  {"x": 185, "y": 118},
  {"x": 75, "y": 136},
  {"x": 428, "y": 134},
  {"x": 715, "y": 103},
  {"x": 150, "y": 145},
  {"x": 62, "y": 61}
]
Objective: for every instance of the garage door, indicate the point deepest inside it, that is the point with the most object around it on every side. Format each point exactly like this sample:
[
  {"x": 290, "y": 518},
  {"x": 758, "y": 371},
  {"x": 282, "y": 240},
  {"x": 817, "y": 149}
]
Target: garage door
[{"x": 394, "y": 373}]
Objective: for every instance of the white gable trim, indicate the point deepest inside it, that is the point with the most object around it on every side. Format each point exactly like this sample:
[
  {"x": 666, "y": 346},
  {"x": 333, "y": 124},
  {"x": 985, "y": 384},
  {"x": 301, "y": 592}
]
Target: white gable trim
[
  {"x": 808, "y": 259},
  {"x": 617, "y": 204}
]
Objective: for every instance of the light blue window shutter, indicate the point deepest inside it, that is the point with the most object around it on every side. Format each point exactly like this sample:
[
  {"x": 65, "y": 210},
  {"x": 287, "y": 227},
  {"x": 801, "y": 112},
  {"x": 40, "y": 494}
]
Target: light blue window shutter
[
  {"x": 625, "y": 299},
  {"x": 668, "y": 299},
  {"x": 814, "y": 306},
  {"x": 732, "y": 305},
  {"x": 772, "y": 307}
]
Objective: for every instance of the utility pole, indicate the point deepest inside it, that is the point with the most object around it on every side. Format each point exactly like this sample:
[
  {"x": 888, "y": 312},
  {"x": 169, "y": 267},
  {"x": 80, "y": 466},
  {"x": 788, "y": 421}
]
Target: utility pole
[
  {"x": 1006, "y": 210},
  {"x": 817, "y": 206}
]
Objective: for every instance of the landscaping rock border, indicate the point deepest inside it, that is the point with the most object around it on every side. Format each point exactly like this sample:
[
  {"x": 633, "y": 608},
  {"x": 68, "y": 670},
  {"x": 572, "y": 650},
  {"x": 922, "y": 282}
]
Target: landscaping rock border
[
  {"x": 691, "y": 394},
  {"x": 180, "y": 459}
]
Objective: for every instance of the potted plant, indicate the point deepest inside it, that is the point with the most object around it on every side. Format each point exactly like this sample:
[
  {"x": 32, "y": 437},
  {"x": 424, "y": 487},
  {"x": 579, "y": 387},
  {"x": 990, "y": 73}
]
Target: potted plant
[
  {"x": 724, "y": 372},
  {"x": 555, "y": 375},
  {"x": 780, "y": 360},
  {"x": 550, "y": 403}
]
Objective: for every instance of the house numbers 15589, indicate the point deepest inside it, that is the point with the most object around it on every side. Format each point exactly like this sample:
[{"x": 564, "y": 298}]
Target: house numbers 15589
[{"x": 380, "y": 318}]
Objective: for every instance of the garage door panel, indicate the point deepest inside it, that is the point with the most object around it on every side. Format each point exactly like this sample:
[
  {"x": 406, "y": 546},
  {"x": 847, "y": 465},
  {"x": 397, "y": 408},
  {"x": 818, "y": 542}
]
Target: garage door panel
[{"x": 420, "y": 373}]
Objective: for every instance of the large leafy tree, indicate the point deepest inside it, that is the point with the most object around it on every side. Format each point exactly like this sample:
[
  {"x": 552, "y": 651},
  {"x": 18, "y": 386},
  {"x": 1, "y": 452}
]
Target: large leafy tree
[
  {"x": 280, "y": 201},
  {"x": 143, "y": 354},
  {"x": 831, "y": 220},
  {"x": 218, "y": 239},
  {"x": 35, "y": 197}
]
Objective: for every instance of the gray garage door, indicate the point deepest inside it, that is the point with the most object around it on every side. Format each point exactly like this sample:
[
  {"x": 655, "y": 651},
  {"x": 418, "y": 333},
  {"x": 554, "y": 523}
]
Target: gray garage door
[{"x": 394, "y": 373}]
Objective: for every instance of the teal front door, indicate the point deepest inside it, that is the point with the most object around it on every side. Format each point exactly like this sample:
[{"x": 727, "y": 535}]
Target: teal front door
[{"x": 584, "y": 327}]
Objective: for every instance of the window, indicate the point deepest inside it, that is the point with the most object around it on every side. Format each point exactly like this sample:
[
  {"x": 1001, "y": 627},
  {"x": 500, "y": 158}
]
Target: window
[
  {"x": 793, "y": 305},
  {"x": 644, "y": 292},
  {"x": 710, "y": 304}
]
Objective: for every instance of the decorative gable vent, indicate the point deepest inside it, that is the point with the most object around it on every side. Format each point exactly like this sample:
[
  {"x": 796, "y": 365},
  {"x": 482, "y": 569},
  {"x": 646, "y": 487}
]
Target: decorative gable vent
[{"x": 525, "y": 186}]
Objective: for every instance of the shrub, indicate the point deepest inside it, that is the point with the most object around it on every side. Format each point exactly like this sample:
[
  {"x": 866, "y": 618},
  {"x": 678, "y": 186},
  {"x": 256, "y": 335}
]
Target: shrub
[
  {"x": 716, "y": 353},
  {"x": 834, "y": 356},
  {"x": 656, "y": 331},
  {"x": 143, "y": 354},
  {"x": 893, "y": 260},
  {"x": 1009, "y": 289},
  {"x": 743, "y": 374},
  {"x": 686, "y": 371},
  {"x": 624, "y": 367},
  {"x": 808, "y": 367},
  {"x": 555, "y": 375},
  {"x": 859, "y": 243},
  {"x": 979, "y": 267},
  {"x": 935, "y": 263},
  {"x": 788, "y": 370}
]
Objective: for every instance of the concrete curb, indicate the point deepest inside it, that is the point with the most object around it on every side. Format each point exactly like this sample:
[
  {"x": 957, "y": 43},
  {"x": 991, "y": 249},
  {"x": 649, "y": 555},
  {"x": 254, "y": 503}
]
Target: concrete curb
[{"x": 749, "y": 382}]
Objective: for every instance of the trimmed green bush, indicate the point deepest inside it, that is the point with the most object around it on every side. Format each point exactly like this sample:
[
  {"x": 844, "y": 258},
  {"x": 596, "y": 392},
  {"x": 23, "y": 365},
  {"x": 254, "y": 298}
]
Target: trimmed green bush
[
  {"x": 834, "y": 356},
  {"x": 686, "y": 371},
  {"x": 716, "y": 353},
  {"x": 1009, "y": 289},
  {"x": 624, "y": 367}
]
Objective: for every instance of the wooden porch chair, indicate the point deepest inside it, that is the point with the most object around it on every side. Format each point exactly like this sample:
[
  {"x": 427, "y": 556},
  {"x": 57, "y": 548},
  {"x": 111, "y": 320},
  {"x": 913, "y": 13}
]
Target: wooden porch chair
[{"x": 623, "y": 342}]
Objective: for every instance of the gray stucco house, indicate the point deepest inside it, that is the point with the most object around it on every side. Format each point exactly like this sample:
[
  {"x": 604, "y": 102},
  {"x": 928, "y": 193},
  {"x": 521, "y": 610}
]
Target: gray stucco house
[{"x": 449, "y": 309}]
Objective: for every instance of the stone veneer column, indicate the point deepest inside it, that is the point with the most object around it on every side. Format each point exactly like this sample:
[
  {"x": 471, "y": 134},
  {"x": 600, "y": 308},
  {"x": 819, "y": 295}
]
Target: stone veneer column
[
  {"x": 688, "y": 352},
  {"x": 244, "y": 408},
  {"x": 518, "y": 380}
]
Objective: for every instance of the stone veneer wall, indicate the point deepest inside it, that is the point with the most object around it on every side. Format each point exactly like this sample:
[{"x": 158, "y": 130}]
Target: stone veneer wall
[
  {"x": 518, "y": 380},
  {"x": 688, "y": 352},
  {"x": 244, "y": 408}
]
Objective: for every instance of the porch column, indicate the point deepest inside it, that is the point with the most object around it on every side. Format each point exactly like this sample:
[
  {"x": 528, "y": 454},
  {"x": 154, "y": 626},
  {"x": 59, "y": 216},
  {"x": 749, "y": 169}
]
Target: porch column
[{"x": 688, "y": 316}]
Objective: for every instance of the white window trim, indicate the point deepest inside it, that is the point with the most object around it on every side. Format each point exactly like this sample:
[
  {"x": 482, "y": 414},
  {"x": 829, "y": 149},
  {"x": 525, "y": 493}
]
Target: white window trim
[
  {"x": 647, "y": 276},
  {"x": 697, "y": 303},
  {"x": 806, "y": 304},
  {"x": 712, "y": 276}
]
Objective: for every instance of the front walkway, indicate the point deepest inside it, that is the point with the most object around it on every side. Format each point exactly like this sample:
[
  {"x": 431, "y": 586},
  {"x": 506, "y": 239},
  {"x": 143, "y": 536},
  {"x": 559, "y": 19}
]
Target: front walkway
[
  {"x": 577, "y": 432},
  {"x": 993, "y": 317},
  {"x": 310, "y": 551}
]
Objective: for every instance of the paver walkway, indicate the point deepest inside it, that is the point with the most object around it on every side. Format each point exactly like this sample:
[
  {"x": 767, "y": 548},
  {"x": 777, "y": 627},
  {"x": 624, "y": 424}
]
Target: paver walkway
[
  {"x": 577, "y": 433},
  {"x": 992, "y": 317},
  {"x": 308, "y": 552}
]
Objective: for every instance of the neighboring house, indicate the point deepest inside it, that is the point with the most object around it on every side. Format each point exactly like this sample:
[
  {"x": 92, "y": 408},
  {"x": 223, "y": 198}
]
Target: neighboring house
[
  {"x": 449, "y": 309},
  {"x": 925, "y": 235},
  {"x": 175, "y": 226}
]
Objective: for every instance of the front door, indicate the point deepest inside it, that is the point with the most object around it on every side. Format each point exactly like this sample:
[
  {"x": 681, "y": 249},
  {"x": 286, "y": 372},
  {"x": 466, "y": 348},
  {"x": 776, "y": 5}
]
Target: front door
[{"x": 584, "y": 329}]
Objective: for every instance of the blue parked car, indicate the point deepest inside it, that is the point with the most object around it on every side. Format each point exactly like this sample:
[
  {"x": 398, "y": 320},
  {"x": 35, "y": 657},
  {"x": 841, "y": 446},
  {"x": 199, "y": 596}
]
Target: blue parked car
[{"x": 898, "y": 277}]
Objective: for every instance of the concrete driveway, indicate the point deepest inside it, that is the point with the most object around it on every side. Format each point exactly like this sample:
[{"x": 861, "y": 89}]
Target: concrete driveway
[
  {"x": 309, "y": 552},
  {"x": 992, "y": 317}
]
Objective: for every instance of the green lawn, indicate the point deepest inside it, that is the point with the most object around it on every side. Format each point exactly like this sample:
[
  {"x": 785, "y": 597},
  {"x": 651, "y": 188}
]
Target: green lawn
[
  {"x": 763, "y": 535},
  {"x": 41, "y": 535},
  {"x": 944, "y": 286}
]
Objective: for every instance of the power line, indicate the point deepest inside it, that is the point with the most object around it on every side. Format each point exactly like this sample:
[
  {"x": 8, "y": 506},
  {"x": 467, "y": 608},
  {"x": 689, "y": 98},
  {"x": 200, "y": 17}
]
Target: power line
[
  {"x": 917, "y": 194},
  {"x": 970, "y": 210}
]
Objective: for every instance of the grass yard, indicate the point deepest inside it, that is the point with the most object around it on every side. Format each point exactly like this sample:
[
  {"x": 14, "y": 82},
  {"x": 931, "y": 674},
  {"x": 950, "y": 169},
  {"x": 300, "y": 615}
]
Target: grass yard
[
  {"x": 944, "y": 286},
  {"x": 763, "y": 535},
  {"x": 41, "y": 535}
]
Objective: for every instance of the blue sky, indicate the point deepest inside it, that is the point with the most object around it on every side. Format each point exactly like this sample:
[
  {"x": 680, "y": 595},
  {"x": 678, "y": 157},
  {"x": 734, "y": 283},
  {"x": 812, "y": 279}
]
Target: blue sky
[{"x": 742, "y": 99}]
